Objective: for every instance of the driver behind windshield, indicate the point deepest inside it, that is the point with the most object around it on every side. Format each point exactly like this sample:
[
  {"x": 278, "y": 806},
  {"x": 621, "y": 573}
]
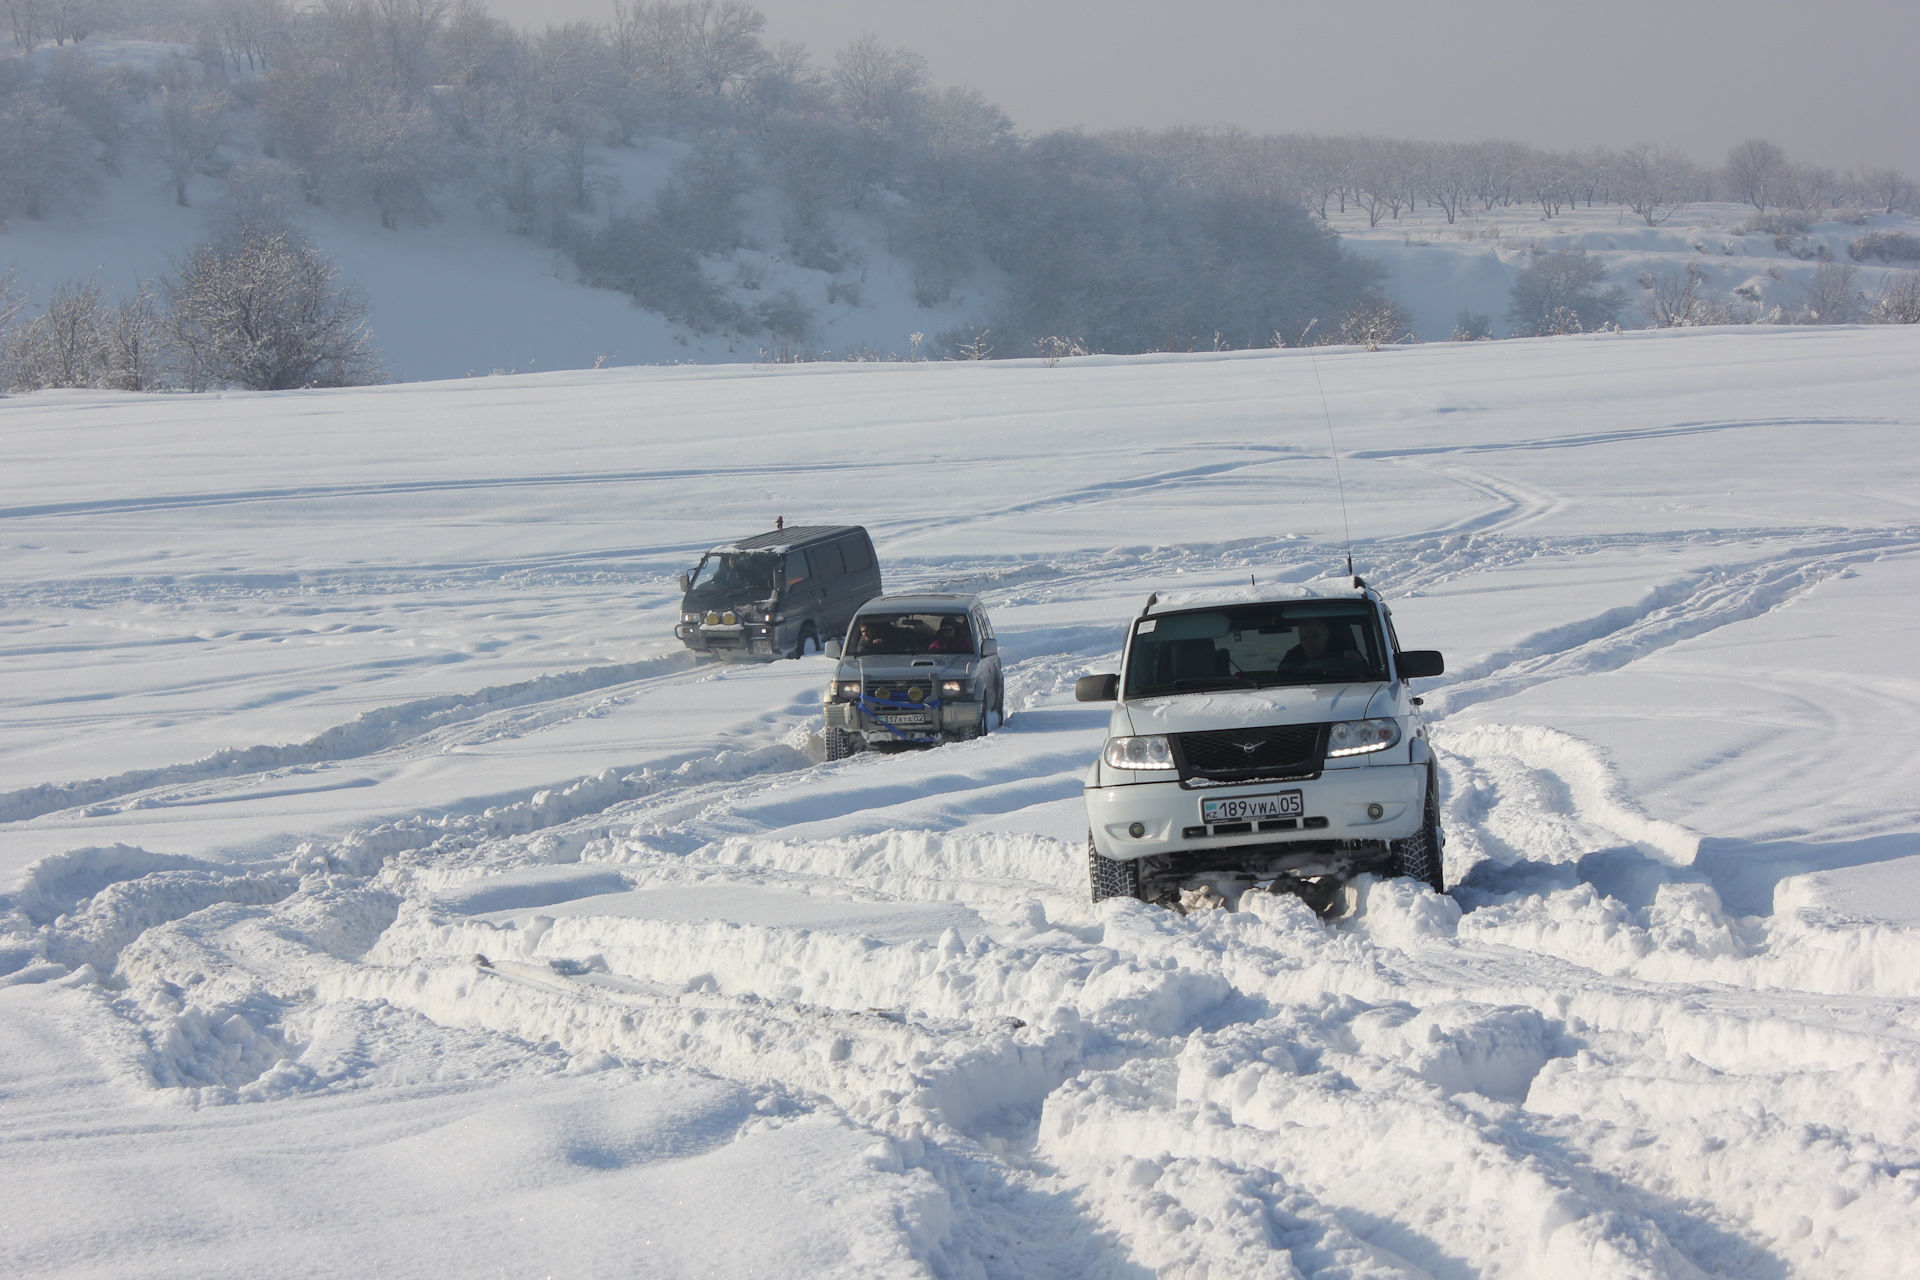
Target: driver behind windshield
[
  {"x": 903, "y": 634},
  {"x": 1317, "y": 650}
]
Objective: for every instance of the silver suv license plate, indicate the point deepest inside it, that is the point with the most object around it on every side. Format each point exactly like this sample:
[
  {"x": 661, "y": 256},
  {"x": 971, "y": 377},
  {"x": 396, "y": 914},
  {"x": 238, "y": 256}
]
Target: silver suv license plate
[{"x": 1275, "y": 804}]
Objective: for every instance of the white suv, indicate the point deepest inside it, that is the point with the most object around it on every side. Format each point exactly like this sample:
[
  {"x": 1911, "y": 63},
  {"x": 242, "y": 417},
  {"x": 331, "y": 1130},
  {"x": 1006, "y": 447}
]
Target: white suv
[{"x": 1262, "y": 734}]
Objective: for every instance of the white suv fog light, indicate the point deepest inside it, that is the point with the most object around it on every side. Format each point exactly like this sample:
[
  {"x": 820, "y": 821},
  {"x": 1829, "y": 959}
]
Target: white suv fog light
[
  {"x": 1137, "y": 830},
  {"x": 1374, "y": 811}
]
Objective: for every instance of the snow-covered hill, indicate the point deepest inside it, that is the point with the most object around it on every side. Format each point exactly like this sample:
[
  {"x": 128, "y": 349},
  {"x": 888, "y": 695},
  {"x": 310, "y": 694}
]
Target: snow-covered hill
[{"x": 385, "y": 892}]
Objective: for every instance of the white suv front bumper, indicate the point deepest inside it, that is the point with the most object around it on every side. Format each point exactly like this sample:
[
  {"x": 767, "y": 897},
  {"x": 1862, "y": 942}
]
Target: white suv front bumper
[{"x": 1335, "y": 806}]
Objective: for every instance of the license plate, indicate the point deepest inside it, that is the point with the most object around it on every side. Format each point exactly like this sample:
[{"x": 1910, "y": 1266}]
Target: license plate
[
  {"x": 891, "y": 718},
  {"x": 1275, "y": 804}
]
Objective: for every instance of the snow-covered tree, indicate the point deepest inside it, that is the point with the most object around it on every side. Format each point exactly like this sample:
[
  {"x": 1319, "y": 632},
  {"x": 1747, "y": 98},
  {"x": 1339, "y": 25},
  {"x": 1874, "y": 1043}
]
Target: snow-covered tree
[
  {"x": 1753, "y": 168},
  {"x": 1831, "y": 296},
  {"x": 188, "y": 125},
  {"x": 1899, "y": 300},
  {"x": 62, "y": 346},
  {"x": 1654, "y": 183},
  {"x": 268, "y": 314},
  {"x": 46, "y": 159},
  {"x": 1558, "y": 293}
]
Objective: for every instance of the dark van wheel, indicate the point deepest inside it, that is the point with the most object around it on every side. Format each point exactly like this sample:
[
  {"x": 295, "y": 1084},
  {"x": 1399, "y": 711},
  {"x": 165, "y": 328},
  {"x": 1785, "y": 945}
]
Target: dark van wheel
[
  {"x": 1111, "y": 878},
  {"x": 807, "y": 637},
  {"x": 1418, "y": 856}
]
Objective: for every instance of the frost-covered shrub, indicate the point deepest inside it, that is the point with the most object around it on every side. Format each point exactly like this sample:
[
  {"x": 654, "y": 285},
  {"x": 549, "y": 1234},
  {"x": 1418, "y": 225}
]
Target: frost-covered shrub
[
  {"x": 1886, "y": 246},
  {"x": 1831, "y": 298},
  {"x": 268, "y": 314},
  {"x": 1899, "y": 300},
  {"x": 1471, "y": 326},
  {"x": 1556, "y": 293},
  {"x": 1375, "y": 321},
  {"x": 1777, "y": 222},
  {"x": 1683, "y": 299},
  {"x": 63, "y": 346}
]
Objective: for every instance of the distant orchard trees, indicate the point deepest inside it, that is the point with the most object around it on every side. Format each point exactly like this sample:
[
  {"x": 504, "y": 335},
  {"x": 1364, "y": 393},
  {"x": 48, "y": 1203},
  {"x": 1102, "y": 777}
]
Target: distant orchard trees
[{"x": 1127, "y": 240}]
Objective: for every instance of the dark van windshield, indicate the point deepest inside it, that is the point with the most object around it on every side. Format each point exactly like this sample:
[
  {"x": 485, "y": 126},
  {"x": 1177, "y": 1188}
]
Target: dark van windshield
[
  {"x": 747, "y": 571},
  {"x": 1253, "y": 646}
]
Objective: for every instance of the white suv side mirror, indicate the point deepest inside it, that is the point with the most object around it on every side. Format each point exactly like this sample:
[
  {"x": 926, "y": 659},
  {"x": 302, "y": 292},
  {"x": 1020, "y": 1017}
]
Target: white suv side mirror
[{"x": 832, "y": 649}]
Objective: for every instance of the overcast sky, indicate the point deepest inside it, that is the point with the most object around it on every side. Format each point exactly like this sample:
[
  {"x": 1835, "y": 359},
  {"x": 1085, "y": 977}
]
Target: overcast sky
[{"x": 1831, "y": 82}]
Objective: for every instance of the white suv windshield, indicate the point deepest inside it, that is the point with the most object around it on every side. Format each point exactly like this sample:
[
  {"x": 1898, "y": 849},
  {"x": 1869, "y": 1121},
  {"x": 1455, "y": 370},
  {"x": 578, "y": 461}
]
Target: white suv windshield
[{"x": 1255, "y": 646}]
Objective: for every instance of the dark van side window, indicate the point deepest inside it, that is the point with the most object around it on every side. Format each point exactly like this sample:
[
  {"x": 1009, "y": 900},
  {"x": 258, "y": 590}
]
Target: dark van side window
[
  {"x": 826, "y": 561},
  {"x": 797, "y": 570},
  {"x": 859, "y": 553}
]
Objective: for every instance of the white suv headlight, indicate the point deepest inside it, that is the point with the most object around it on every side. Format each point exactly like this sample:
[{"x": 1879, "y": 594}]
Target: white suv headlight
[
  {"x": 1150, "y": 752},
  {"x": 1358, "y": 737}
]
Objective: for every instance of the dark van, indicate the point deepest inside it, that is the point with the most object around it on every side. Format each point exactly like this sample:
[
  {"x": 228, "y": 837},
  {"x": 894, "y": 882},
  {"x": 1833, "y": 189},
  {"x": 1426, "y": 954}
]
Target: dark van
[{"x": 776, "y": 594}]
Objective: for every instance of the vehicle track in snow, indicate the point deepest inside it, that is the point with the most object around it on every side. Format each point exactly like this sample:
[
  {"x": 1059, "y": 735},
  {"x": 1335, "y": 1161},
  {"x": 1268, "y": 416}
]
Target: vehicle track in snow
[{"x": 1384, "y": 1095}]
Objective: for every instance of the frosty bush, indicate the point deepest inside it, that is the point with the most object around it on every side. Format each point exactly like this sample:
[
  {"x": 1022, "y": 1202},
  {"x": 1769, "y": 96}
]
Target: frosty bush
[
  {"x": 1887, "y": 246},
  {"x": 1677, "y": 299},
  {"x": 1899, "y": 300},
  {"x": 1555, "y": 293},
  {"x": 267, "y": 314},
  {"x": 1831, "y": 298},
  {"x": 1373, "y": 322},
  {"x": 63, "y": 346},
  {"x": 1471, "y": 326}
]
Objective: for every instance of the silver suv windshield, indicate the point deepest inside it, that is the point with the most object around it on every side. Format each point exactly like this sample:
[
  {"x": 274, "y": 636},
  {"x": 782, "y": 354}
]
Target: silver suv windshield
[
  {"x": 878, "y": 634},
  {"x": 737, "y": 571},
  {"x": 1256, "y": 646}
]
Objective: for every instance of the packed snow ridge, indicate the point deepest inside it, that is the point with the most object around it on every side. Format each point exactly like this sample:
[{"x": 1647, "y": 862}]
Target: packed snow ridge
[{"x": 388, "y": 892}]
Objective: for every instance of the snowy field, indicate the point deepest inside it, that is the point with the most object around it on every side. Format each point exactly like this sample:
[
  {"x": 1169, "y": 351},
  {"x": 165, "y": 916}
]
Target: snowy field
[{"x": 382, "y": 891}]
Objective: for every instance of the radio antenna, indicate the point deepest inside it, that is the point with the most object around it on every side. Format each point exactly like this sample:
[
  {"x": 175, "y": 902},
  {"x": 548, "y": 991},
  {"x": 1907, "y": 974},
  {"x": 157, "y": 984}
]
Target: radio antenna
[{"x": 1339, "y": 480}]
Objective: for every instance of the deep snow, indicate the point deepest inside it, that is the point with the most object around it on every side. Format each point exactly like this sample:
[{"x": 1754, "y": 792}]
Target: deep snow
[{"x": 384, "y": 891}]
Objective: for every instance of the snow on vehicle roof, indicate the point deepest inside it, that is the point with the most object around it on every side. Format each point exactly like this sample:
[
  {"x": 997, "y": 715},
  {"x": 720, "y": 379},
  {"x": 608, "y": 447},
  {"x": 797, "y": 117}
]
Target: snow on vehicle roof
[
  {"x": 1323, "y": 589},
  {"x": 781, "y": 541},
  {"x": 929, "y": 600}
]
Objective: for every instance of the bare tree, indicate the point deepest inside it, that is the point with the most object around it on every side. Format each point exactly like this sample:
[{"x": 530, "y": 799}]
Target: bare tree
[
  {"x": 1555, "y": 293},
  {"x": 46, "y": 165},
  {"x": 27, "y": 18},
  {"x": 269, "y": 315},
  {"x": 62, "y": 346},
  {"x": 12, "y": 303},
  {"x": 878, "y": 85},
  {"x": 1654, "y": 184},
  {"x": 1676, "y": 300},
  {"x": 1892, "y": 190},
  {"x": 133, "y": 335},
  {"x": 1753, "y": 167},
  {"x": 1831, "y": 298},
  {"x": 187, "y": 128}
]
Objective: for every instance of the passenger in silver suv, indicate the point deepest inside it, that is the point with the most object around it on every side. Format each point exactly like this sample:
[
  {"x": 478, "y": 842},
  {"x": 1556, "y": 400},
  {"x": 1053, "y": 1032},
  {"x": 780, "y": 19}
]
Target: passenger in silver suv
[
  {"x": 1262, "y": 736},
  {"x": 920, "y": 668}
]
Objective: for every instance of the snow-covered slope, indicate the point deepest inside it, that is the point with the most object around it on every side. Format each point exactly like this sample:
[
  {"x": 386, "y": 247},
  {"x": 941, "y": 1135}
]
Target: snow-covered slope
[{"x": 385, "y": 892}]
